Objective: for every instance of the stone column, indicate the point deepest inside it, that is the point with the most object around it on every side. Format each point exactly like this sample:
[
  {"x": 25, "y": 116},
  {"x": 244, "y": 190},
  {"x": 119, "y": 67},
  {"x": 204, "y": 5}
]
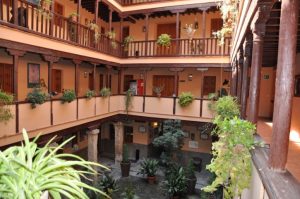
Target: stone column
[
  {"x": 119, "y": 141},
  {"x": 93, "y": 145},
  {"x": 284, "y": 85}
]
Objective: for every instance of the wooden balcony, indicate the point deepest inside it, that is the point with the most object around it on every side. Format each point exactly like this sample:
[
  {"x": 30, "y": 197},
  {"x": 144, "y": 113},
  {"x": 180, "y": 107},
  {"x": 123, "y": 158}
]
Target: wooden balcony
[
  {"x": 54, "y": 116},
  {"x": 137, "y": 2},
  {"x": 30, "y": 18}
]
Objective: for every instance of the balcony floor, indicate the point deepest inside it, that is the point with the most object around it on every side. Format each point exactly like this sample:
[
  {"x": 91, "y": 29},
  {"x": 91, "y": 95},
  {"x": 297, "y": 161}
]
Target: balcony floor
[{"x": 264, "y": 129}]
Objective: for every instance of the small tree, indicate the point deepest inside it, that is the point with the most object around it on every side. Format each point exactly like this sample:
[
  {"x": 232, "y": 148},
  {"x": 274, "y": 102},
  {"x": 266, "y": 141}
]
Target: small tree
[{"x": 172, "y": 138}]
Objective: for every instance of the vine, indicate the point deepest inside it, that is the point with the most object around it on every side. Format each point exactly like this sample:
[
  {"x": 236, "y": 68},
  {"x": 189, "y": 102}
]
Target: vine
[
  {"x": 231, "y": 161},
  {"x": 229, "y": 12}
]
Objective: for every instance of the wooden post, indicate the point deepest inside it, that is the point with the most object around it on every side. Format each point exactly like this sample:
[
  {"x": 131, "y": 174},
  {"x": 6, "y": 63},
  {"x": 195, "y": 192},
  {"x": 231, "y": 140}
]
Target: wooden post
[
  {"x": 121, "y": 29},
  {"x": 233, "y": 79},
  {"x": 119, "y": 140},
  {"x": 245, "y": 89},
  {"x": 96, "y": 11},
  {"x": 94, "y": 76},
  {"x": 110, "y": 19},
  {"x": 177, "y": 31},
  {"x": 15, "y": 12},
  {"x": 239, "y": 74},
  {"x": 78, "y": 11},
  {"x": 146, "y": 32},
  {"x": 284, "y": 85},
  {"x": 120, "y": 74},
  {"x": 16, "y": 54},
  {"x": 77, "y": 72},
  {"x": 203, "y": 23},
  {"x": 51, "y": 60}
]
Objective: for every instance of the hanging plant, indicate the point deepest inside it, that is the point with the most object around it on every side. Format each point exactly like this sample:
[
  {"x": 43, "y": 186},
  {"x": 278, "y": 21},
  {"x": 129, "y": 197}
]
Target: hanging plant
[
  {"x": 229, "y": 12},
  {"x": 112, "y": 36},
  {"x": 73, "y": 16},
  {"x": 189, "y": 30},
  {"x": 105, "y": 92},
  {"x": 164, "y": 40},
  {"x": 185, "y": 99},
  {"x": 68, "y": 96},
  {"x": 5, "y": 112},
  {"x": 94, "y": 27},
  {"x": 158, "y": 89},
  {"x": 44, "y": 8},
  {"x": 231, "y": 153},
  {"x": 128, "y": 100},
  {"x": 126, "y": 42},
  {"x": 90, "y": 94},
  {"x": 36, "y": 96}
]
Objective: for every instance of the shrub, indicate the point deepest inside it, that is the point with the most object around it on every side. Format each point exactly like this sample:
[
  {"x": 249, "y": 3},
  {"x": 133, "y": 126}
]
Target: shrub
[
  {"x": 5, "y": 112},
  {"x": 176, "y": 183},
  {"x": 27, "y": 171},
  {"x": 68, "y": 96},
  {"x": 226, "y": 107},
  {"x": 105, "y": 92},
  {"x": 107, "y": 184},
  {"x": 36, "y": 96},
  {"x": 90, "y": 94},
  {"x": 185, "y": 98},
  {"x": 148, "y": 167}
]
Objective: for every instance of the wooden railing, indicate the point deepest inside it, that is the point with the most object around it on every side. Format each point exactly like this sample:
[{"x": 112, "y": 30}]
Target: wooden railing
[
  {"x": 29, "y": 17},
  {"x": 179, "y": 47}
]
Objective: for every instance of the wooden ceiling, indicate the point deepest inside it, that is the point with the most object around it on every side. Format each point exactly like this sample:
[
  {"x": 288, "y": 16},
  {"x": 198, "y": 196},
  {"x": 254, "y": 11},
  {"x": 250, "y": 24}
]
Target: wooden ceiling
[
  {"x": 89, "y": 5},
  {"x": 272, "y": 37}
]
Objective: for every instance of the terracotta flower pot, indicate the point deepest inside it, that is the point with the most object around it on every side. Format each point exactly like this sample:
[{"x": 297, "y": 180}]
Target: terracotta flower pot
[
  {"x": 125, "y": 168},
  {"x": 151, "y": 179}
]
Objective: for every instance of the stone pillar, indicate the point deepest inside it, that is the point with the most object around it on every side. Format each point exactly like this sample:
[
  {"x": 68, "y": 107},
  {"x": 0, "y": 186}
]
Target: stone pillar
[
  {"x": 284, "y": 85},
  {"x": 246, "y": 64},
  {"x": 119, "y": 141},
  {"x": 93, "y": 145}
]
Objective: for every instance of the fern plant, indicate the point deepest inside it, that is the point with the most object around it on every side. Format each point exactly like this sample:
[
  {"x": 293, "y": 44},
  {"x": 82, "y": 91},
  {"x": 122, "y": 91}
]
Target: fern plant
[
  {"x": 185, "y": 99},
  {"x": 68, "y": 96},
  {"x": 90, "y": 94},
  {"x": 5, "y": 112},
  {"x": 27, "y": 171},
  {"x": 105, "y": 92}
]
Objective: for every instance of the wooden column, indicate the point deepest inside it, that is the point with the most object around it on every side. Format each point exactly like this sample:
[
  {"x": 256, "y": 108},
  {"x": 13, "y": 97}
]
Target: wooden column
[
  {"x": 146, "y": 32},
  {"x": 94, "y": 75},
  {"x": 16, "y": 54},
  {"x": 239, "y": 74},
  {"x": 145, "y": 86},
  {"x": 119, "y": 141},
  {"x": 78, "y": 11},
  {"x": 93, "y": 146},
  {"x": 120, "y": 74},
  {"x": 15, "y": 12},
  {"x": 77, "y": 78},
  {"x": 246, "y": 64},
  {"x": 257, "y": 53},
  {"x": 284, "y": 85},
  {"x": 110, "y": 19},
  {"x": 121, "y": 28},
  {"x": 175, "y": 94},
  {"x": 177, "y": 31},
  {"x": 203, "y": 33},
  {"x": 96, "y": 11}
]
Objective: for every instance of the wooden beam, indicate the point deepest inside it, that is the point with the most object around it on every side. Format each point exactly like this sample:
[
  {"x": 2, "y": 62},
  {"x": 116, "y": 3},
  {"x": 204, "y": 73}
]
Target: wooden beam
[{"x": 96, "y": 11}]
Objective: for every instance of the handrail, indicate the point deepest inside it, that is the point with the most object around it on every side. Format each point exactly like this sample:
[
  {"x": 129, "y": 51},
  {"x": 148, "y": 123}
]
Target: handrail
[{"x": 136, "y": 2}]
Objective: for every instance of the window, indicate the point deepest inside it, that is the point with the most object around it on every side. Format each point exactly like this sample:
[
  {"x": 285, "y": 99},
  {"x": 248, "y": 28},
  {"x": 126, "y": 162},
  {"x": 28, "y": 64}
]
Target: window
[
  {"x": 216, "y": 25},
  {"x": 56, "y": 80},
  {"x": 209, "y": 85},
  {"x": 6, "y": 78},
  {"x": 127, "y": 79}
]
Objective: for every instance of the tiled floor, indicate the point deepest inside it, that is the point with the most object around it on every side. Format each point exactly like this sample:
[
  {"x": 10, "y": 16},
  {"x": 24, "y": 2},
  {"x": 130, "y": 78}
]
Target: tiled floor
[{"x": 264, "y": 129}]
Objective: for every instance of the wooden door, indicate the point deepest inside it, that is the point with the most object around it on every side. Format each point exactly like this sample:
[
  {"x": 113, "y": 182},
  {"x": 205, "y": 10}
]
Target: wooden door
[
  {"x": 56, "y": 80},
  {"x": 101, "y": 81},
  {"x": 215, "y": 25},
  {"x": 125, "y": 32},
  {"x": 91, "y": 81},
  {"x": 6, "y": 78},
  {"x": 127, "y": 79},
  {"x": 209, "y": 85},
  {"x": 169, "y": 29},
  {"x": 167, "y": 81}
]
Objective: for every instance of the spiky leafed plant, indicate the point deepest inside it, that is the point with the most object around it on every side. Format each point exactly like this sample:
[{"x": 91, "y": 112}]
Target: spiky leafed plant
[{"x": 27, "y": 171}]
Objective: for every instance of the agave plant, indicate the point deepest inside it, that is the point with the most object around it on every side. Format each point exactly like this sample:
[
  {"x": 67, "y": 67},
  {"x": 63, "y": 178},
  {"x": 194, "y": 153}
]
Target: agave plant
[{"x": 28, "y": 171}]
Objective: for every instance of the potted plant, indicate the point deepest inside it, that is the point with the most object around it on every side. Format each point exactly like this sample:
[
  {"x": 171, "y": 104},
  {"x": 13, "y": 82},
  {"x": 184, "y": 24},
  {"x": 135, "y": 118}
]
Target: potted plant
[
  {"x": 176, "y": 182},
  {"x": 5, "y": 100},
  {"x": 36, "y": 96},
  {"x": 45, "y": 4},
  {"x": 158, "y": 89},
  {"x": 73, "y": 16},
  {"x": 190, "y": 177},
  {"x": 185, "y": 99},
  {"x": 105, "y": 92},
  {"x": 125, "y": 163},
  {"x": 149, "y": 167},
  {"x": 164, "y": 40},
  {"x": 129, "y": 193},
  {"x": 112, "y": 36},
  {"x": 189, "y": 31},
  {"x": 90, "y": 94},
  {"x": 94, "y": 27},
  {"x": 126, "y": 42},
  {"x": 68, "y": 96},
  {"x": 108, "y": 185},
  {"x": 37, "y": 170}
]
